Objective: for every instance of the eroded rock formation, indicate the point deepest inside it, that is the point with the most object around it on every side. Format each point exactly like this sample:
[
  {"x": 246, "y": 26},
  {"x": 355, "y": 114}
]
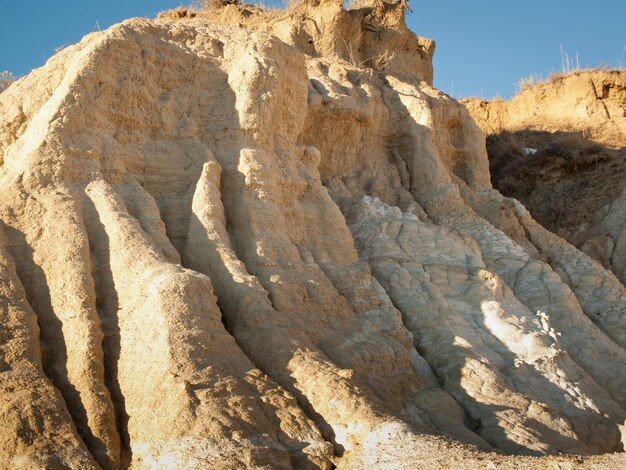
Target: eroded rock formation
[{"x": 264, "y": 240}]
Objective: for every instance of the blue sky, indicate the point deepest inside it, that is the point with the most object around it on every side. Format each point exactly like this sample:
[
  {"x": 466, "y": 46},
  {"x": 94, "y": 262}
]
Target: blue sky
[{"x": 483, "y": 46}]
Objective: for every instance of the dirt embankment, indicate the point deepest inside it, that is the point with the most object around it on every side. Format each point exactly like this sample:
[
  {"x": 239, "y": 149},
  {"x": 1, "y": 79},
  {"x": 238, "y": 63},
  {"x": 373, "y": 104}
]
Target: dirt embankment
[{"x": 591, "y": 103}]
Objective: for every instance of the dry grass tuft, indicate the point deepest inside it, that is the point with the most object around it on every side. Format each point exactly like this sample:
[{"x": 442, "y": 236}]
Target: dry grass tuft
[
  {"x": 570, "y": 65},
  {"x": 526, "y": 83},
  {"x": 6, "y": 78}
]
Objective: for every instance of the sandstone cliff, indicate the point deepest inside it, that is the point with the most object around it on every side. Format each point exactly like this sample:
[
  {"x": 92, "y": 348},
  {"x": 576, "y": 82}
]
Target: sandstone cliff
[{"x": 264, "y": 240}]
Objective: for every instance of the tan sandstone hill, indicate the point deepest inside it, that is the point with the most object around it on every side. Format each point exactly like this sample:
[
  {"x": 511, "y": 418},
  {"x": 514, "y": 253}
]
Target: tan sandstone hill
[
  {"x": 574, "y": 185},
  {"x": 256, "y": 239}
]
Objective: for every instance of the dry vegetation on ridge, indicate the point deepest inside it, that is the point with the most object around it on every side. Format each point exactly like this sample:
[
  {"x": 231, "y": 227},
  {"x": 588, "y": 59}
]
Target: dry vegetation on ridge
[{"x": 6, "y": 79}]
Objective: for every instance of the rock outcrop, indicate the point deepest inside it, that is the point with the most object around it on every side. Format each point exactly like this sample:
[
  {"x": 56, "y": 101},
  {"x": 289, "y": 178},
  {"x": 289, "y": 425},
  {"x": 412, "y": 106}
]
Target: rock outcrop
[
  {"x": 264, "y": 240},
  {"x": 574, "y": 181}
]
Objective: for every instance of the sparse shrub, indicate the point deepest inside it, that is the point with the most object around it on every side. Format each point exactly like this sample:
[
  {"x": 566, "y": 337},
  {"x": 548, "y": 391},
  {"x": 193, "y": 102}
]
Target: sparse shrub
[
  {"x": 381, "y": 61},
  {"x": 575, "y": 153},
  {"x": 6, "y": 78},
  {"x": 570, "y": 145},
  {"x": 528, "y": 82},
  {"x": 506, "y": 156},
  {"x": 507, "y": 145},
  {"x": 584, "y": 162}
]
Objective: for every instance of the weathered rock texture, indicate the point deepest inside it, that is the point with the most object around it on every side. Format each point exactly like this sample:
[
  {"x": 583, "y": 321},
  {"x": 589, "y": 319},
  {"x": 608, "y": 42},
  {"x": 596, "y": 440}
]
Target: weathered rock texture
[
  {"x": 574, "y": 185},
  {"x": 276, "y": 245}
]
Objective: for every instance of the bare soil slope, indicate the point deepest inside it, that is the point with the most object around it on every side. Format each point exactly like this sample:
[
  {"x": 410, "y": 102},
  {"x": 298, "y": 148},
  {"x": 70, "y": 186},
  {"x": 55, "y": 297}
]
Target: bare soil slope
[{"x": 241, "y": 240}]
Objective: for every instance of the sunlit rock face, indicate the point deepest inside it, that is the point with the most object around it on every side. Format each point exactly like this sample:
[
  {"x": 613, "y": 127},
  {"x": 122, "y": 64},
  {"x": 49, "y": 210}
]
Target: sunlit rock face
[{"x": 237, "y": 242}]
